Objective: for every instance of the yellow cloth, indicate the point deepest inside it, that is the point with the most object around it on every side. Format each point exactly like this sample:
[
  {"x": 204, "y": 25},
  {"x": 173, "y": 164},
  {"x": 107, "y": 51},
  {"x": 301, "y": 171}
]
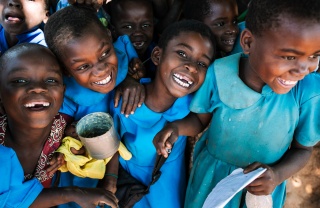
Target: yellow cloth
[{"x": 85, "y": 165}]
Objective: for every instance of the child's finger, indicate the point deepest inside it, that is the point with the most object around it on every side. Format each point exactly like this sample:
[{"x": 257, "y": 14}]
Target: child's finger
[
  {"x": 142, "y": 96},
  {"x": 117, "y": 96},
  {"x": 252, "y": 167}
]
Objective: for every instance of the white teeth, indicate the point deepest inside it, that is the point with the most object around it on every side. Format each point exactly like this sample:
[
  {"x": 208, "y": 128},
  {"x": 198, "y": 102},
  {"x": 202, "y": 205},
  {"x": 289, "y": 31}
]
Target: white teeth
[
  {"x": 288, "y": 82},
  {"x": 138, "y": 44},
  {"x": 183, "y": 78},
  {"x": 33, "y": 104},
  {"x": 104, "y": 81},
  {"x": 180, "y": 82}
]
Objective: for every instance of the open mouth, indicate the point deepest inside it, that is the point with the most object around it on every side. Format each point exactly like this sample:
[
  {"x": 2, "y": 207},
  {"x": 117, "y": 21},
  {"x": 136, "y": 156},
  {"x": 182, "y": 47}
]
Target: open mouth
[
  {"x": 287, "y": 83},
  {"x": 228, "y": 41},
  {"x": 182, "y": 80},
  {"x": 13, "y": 18},
  {"x": 104, "y": 81},
  {"x": 37, "y": 105},
  {"x": 139, "y": 44}
]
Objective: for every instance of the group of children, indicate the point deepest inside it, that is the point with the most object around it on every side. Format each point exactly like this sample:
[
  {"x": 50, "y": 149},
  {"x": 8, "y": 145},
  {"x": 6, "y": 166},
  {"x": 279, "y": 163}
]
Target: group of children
[{"x": 159, "y": 88}]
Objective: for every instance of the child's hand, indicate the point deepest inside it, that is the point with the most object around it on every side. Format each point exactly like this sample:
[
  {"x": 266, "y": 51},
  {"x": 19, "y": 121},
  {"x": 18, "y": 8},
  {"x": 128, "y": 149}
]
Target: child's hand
[
  {"x": 110, "y": 184},
  {"x": 136, "y": 69},
  {"x": 264, "y": 184},
  {"x": 164, "y": 139},
  {"x": 92, "y": 197},
  {"x": 133, "y": 95},
  {"x": 71, "y": 131},
  {"x": 55, "y": 163}
]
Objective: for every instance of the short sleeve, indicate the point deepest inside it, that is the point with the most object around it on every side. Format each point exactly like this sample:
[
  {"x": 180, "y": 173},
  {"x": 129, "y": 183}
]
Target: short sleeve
[
  {"x": 203, "y": 98},
  {"x": 68, "y": 107},
  {"x": 14, "y": 191},
  {"x": 307, "y": 132}
]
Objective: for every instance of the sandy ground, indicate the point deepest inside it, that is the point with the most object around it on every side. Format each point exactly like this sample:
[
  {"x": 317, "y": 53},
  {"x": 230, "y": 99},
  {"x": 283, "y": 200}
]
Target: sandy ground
[{"x": 303, "y": 189}]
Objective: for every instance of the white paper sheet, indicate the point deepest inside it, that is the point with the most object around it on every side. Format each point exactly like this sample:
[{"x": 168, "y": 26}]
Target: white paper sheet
[{"x": 223, "y": 192}]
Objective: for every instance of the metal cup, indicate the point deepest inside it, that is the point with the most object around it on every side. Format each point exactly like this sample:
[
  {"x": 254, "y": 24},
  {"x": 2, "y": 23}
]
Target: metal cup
[{"x": 96, "y": 132}]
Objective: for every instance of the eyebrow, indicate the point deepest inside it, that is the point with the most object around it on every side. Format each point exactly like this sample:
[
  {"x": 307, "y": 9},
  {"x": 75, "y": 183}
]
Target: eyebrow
[{"x": 191, "y": 49}]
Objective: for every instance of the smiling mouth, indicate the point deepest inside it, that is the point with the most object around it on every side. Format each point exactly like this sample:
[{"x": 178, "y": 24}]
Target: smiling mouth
[
  {"x": 182, "y": 80},
  {"x": 287, "y": 83},
  {"x": 37, "y": 105},
  {"x": 228, "y": 41},
  {"x": 138, "y": 44},
  {"x": 104, "y": 81}
]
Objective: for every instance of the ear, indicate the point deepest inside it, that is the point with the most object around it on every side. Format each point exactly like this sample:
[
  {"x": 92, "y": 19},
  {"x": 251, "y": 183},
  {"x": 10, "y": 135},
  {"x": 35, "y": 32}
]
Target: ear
[
  {"x": 46, "y": 17},
  {"x": 246, "y": 39},
  {"x": 155, "y": 55}
]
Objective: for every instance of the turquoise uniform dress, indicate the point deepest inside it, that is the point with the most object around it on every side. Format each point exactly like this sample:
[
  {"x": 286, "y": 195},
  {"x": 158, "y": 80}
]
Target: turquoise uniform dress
[
  {"x": 80, "y": 101},
  {"x": 248, "y": 126},
  {"x": 14, "y": 190},
  {"x": 137, "y": 133}
]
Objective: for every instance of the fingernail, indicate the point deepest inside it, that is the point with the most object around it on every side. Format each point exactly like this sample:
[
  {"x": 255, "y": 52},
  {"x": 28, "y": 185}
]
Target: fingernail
[
  {"x": 132, "y": 112},
  {"x": 139, "y": 105},
  {"x": 126, "y": 115}
]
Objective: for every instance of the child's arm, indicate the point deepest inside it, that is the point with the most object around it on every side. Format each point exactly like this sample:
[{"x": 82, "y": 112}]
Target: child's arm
[
  {"x": 133, "y": 95},
  {"x": 191, "y": 125},
  {"x": 109, "y": 182},
  {"x": 85, "y": 197},
  {"x": 293, "y": 161}
]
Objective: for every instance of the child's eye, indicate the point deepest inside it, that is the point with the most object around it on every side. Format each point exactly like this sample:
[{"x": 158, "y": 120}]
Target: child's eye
[
  {"x": 235, "y": 22},
  {"x": 83, "y": 67},
  {"x": 289, "y": 58},
  {"x": 127, "y": 27},
  {"x": 104, "y": 54},
  {"x": 19, "y": 81},
  {"x": 219, "y": 24},
  {"x": 181, "y": 53},
  {"x": 144, "y": 26},
  {"x": 203, "y": 65},
  {"x": 51, "y": 80},
  {"x": 315, "y": 56}
]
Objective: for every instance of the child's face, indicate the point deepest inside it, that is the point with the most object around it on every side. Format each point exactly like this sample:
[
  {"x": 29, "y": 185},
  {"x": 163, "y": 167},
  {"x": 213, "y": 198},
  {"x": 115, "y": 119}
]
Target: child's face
[
  {"x": 184, "y": 63},
  {"x": 136, "y": 21},
  {"x": 19, "y": 16},
  {"x": 32, "y": 88},
  {"x": 91, "y": 60},
  {"x": 282, "y": 57},
  {"x": 223, "y": 23}
]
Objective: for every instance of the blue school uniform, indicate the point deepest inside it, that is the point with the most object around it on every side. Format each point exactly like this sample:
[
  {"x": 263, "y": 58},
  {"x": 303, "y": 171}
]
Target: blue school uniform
[
  {"x": 80, "y": 101},
  {"x": 33, "y": 36},
  {"x": 248, "y": 126},
  {"x": 14, "y": 191},
  {"x": 137, "y": 133}
]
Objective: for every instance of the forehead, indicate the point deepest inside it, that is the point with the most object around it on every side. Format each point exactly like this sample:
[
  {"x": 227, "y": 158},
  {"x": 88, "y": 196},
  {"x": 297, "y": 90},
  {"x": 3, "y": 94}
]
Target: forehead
[
  {"x": 193, "y": 41},
  {"x": 33, "y": 59},
  {"x": 222, "y": 8},
  {"x": 293, "y": 33},
  {"x": 129, "y": 8}
]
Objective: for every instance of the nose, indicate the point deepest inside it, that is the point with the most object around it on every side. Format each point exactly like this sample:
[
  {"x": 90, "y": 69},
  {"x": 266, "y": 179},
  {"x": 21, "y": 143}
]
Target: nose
[
  {"x": 304, "y": 68},
  {"x": 38, "y": 87},
  {"x": 192, "y": 67},
  {"x": 99, "y": 68},
  {"x": 15, "y": 3},
  {"x": 137, "y": 31},
  {"x": 232, "y": 29}
]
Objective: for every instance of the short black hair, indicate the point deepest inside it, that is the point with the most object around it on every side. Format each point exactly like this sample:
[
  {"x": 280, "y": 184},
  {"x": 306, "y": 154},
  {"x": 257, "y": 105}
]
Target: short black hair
[
  {"x": 179, "y": 27},
  {"x": 197, "y": 10},
  {"x": 67, "y": 24},
  {"x": 18, "y": 49},
  {"x": 265, "y": 14}
]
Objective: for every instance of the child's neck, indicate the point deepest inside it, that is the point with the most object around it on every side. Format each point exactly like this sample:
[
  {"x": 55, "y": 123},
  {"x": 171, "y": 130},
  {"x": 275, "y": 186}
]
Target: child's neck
[
  {"x": 249, "y": 76},
  {"x": 11, "y": 39},
  {"x": 157, "y": 98}
]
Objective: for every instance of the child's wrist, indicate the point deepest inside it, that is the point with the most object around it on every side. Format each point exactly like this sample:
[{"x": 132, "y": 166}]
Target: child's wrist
[{"x": 111, "y": 175}]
